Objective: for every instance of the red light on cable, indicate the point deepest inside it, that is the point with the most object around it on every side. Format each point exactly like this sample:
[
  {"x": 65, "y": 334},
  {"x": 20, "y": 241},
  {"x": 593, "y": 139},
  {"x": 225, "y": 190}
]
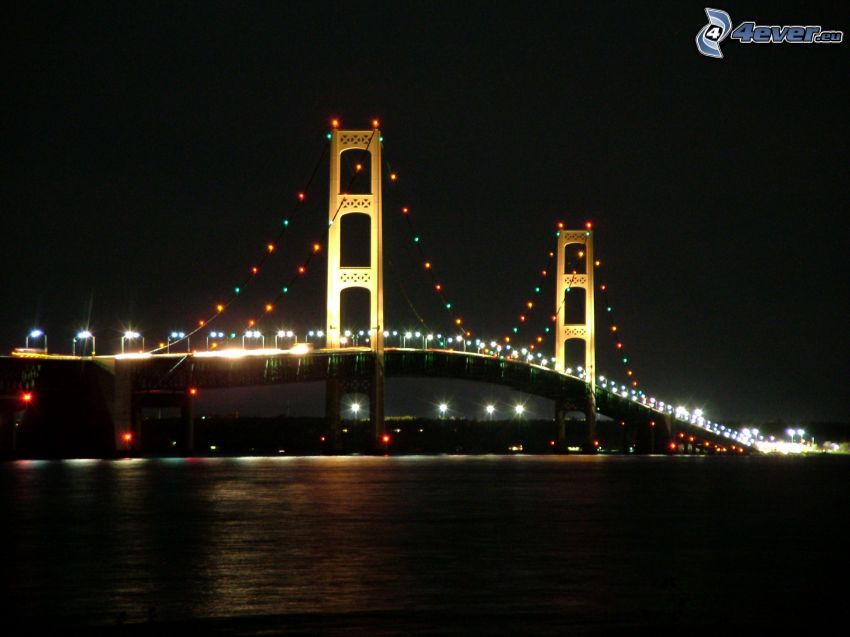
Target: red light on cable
[
  {"x": 127, "y": 437},
  {"x": 26, "y": 397},
  {"x": 334, "y": 123},
  {"x": 193, "y": 391},
  {"x": 588, "y": 225},
  {"x": 385, "y": 439},
  {"x": 375, "y": 123},
  {"x": 301, "y": 196}
]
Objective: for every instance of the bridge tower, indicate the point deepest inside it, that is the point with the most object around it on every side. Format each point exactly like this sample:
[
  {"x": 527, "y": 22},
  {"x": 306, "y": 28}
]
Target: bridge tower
[
  {"x": 576, "y": 331},
  {"x": 367, "y": 146}
]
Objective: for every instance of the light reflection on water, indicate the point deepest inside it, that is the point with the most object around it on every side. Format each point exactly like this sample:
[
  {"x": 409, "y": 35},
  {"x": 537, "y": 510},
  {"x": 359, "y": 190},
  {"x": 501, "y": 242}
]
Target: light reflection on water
[{"x": 579, "y": 536}]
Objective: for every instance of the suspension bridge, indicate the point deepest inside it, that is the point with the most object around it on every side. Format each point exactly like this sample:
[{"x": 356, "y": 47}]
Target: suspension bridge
[{"x": 107, "y": 393}]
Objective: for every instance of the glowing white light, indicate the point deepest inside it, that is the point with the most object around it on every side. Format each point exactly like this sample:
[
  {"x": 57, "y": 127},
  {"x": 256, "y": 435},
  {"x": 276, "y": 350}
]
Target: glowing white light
[
  {"x": 490, "y": 409},
  {"x": 36, "y": 333},
  {"x": 84, "y": 334},
  {"x": 519, "y": 409}
]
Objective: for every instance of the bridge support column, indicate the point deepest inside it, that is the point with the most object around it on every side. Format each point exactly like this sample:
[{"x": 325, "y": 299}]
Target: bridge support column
[
  {"x": 668, "y": 434},
  {"x": 187, "y": 415},
  {"x": 590, "y": 418},
  {"x": 376, "y": 404},
  {"x": 561, "y": 423},
  {"x": 333, "y": 412},
  {"x": 9, "y": 418}
]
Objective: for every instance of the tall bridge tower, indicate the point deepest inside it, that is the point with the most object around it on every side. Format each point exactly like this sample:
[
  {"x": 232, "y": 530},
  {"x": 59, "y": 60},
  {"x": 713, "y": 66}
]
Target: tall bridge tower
[
  {"x": 577, "y": 331},
  {"x": 366, "y": 146}
]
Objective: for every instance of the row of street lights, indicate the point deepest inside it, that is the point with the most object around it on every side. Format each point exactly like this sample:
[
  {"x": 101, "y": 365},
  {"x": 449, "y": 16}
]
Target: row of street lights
[{"x": 443, "y": 408}]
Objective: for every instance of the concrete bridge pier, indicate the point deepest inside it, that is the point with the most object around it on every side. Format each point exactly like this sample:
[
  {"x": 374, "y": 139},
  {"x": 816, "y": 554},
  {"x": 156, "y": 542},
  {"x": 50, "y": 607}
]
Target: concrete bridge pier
[
  {"x": 187, "y": 417},
  {"x": 590, "y": 419},
  {"x": 333, "y": 412},
  {"x": 376, "y": 406},
  {"x": 561, "y": 408},
  {"x": 10, "y": 416}
]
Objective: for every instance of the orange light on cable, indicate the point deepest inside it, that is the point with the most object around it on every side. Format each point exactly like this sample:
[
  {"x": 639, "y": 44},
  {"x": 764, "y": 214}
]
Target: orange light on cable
[
  {"x": 375, "y": 123},
  {"x": 393, "y": 176},
  {"x": 252, "y": 323},
  {"x": 358, "y": 167},
  {"x": 317, "y": 247},
  {"x": 530, "y": 305},
  {"x": 427, "y": 265},
  {"x": 458, "y": 321},
  {"x": 193, "y": 391},
  {"x": 219, "y": 308},
  {"x": 269, "y": 307},
  {"x": 270, "y": 248},
  {"x": 201, "y": 323}
]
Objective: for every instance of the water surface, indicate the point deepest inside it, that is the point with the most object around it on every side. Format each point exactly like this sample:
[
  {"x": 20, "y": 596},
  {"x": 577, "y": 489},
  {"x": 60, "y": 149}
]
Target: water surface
[{"x": 581, "y": 541}]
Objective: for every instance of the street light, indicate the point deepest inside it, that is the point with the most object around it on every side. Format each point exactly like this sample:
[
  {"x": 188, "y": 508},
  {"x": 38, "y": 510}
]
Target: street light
[
  {"x": 174, "y": 337},
  {"x": 355, "y": 409},
  {"x": 130, "y": 335},
  {"x": 791, "y": 433},
  {"x": 253, "y": 334},
  {"x": 36, "y": 334},
  {"x": 213, "y": 335},
  {"x": 404, "y": 338},
  {"x": 519, "y": 410},
  {"x": 443, "y": 407},
  {"x": 84, "y": 335},
  {"x": 490, "y": 411}
]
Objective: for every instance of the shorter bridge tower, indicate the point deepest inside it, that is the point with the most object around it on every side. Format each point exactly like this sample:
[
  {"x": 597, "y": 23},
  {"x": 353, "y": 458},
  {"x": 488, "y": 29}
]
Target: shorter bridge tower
[{"x": 576, "y": 331}]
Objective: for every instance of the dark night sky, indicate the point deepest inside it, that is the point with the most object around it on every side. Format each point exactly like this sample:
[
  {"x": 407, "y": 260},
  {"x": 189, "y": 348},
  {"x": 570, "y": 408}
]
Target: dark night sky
[{"x": 150, "y": 153}]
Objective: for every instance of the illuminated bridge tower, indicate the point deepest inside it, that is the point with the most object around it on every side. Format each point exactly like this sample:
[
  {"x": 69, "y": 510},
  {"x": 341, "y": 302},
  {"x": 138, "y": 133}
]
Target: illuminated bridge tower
[
  {"x": 576, "y": 331},
  {"x": 366, "y": 147}
]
